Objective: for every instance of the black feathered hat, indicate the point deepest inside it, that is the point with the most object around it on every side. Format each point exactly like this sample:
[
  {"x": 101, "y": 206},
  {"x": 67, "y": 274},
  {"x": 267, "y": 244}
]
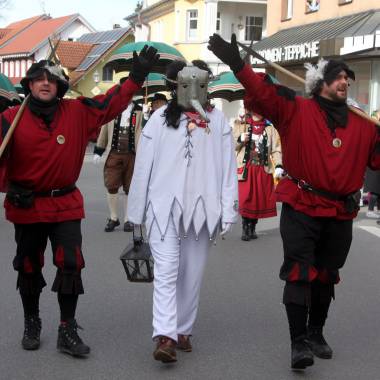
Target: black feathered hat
[
  {"x": 324, "y": 71},
  {"x": 53, "y": 71}
]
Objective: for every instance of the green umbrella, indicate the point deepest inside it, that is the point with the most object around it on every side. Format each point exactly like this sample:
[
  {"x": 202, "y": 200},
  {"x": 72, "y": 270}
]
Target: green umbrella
[
  {"x": 227, "y": 87},
  {"x": 121, "y": 60},
  {"x": 7, "y": 90},
  {"x": 153, "y": 83}
]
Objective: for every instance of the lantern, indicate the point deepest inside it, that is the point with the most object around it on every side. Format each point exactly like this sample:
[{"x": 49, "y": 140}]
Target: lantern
[{"x": 137, "y": 260}]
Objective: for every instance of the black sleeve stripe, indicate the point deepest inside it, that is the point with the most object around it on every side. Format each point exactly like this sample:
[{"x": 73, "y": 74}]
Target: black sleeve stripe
[
  {"x": 286, "y": 92},
  {"x": 4, "y": 126},
  {"x": 100, "y": 105},
  {"x": 281, "y": 90}
]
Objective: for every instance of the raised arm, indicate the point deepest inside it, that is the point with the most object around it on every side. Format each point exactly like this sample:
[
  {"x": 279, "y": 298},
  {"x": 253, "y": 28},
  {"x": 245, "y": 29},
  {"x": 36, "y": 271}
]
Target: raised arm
[
  {"x": 103, "y": 108},
  {"x": 276, "y": 103}
]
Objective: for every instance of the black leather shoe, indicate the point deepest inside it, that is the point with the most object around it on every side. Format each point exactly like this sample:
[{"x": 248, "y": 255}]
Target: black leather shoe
[
  {"x": 69, "y": 340},
  {"x": 318, "y": 344},
  {"x": 32, "y": 331},
  {"x": 128, "y": 227},
  {"x": 302, "y": 356},
  {"x": 111, "y": 224}
]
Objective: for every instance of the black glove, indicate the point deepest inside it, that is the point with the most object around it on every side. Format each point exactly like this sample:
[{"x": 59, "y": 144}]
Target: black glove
[
  {"x": 143, "y": 63},
  {"x": 98, "y": 150},
  {"x": 227, "y": 53}
]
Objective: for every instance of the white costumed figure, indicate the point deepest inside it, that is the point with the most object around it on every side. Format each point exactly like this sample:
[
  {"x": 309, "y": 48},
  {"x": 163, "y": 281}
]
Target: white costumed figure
[{"x": 184, "y": 187}]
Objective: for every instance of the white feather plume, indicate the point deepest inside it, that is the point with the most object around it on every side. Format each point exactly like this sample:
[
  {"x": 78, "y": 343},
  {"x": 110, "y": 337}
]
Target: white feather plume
[{"x": 314, "y": 74}]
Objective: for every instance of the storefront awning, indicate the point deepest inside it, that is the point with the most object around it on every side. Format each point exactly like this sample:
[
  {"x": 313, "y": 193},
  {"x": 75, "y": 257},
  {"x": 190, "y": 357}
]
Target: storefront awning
[{"x": 333, "y": 37}]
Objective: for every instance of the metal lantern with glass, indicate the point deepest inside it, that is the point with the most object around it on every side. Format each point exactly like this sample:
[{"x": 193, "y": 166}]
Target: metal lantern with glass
[{"x": 137, "y": 260}]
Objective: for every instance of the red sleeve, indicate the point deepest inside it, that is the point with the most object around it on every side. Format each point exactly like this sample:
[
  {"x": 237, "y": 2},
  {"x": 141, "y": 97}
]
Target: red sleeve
[
  {"x": 275, "y": 102},
  {"x": 5, "y": 122},
  {"x": 374, "y": 159},
  {"x": 101, "y": 109}
]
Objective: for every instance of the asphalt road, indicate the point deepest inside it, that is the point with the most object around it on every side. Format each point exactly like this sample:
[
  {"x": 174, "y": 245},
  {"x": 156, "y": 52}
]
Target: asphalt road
[{"x": 241, "y": 331}]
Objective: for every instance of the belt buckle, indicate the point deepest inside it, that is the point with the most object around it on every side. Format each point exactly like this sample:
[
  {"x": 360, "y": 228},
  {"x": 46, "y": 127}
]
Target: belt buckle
[
  {"x": 301, "y": 184},
  {"x": 53, "y": 192}
]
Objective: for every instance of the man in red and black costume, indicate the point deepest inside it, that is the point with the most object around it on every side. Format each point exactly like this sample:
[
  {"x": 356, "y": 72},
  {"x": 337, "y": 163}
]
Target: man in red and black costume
[
  {"x": 326, "y": 150},
  {"x": 43, "y": 162}
]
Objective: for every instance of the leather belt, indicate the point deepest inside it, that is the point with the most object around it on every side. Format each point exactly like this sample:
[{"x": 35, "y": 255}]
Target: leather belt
[
  {"x": 326, "y": 194},
  {"x": 55, "y": 192}
]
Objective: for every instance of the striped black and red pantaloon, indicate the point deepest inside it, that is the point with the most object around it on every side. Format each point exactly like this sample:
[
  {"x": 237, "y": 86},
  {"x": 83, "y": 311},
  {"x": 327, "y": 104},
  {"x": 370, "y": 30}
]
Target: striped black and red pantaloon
[
  {"x": 315, "y": 248},
  {"x": 66, "y": 243}
]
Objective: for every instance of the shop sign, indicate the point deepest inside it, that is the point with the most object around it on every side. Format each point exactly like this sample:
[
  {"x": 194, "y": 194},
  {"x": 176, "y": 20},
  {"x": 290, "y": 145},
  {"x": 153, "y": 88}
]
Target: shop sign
[{"x": 292, "y": 52}]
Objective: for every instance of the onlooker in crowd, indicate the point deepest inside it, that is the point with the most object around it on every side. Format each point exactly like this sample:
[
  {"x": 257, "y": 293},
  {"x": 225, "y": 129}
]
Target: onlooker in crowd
[{"x": 258, "y": 150}]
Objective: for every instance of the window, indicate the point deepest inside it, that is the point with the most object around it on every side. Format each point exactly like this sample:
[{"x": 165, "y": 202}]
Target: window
[
  {"x": 312, "y": 6},
  {"x": 107, "y": 75},
  {"x": 253, "y": 28},
  {"x": 218, "y": 21},
  {"x": 192, "y": 24},
  {"x": 286, "y": 10},
  {"x": 342, "y": 2}
]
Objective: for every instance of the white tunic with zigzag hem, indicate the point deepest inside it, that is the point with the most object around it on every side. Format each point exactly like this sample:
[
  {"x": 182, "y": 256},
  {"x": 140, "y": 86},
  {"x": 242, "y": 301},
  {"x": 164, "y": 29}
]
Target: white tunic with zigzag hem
[{"x": 191, "y": 176}]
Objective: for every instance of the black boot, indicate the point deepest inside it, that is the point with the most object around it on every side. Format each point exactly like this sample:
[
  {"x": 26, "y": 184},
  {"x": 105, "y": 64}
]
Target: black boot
[
  {"x": 246, "y": 233},
  {"x": 317, "y": 343},
  {"x": 128, "y": 227},
  {"x": 111, "y": 224},
  {"x": 32, "y": 331},
  {"x": 69, "y": 340},
  {"x": 302, "y": 356},
  {"x": 252, "y": 229}
]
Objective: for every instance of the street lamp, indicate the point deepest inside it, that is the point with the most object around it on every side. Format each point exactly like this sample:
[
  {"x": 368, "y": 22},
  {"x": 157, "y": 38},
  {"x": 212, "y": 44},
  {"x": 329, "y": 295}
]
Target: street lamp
[{"x": 96, "y": 77}]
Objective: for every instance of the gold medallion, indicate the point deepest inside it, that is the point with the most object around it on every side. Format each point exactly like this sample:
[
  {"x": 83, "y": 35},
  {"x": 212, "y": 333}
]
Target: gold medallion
[
  {"x": 61, "y": 139},
  {"x": 337, "y": 143}
]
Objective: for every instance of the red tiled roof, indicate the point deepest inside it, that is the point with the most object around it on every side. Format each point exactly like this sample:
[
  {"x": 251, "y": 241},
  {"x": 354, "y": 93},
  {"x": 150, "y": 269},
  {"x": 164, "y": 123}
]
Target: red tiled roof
[
  {"x": 35, "y": 34},
  {"x": 16, "y": 27},
  {"x": 71, "y": 53}
]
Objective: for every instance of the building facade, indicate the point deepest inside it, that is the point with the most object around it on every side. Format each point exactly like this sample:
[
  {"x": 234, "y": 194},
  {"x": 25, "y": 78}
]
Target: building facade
[
  {"x": 302, "y": 31},
  {"x": 26, "y": 41},
  {"x": 187, "y": 25}
]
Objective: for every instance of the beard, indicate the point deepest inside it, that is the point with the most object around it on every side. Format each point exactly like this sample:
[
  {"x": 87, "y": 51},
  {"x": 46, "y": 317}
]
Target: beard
[{"x": 335, "y": 97}]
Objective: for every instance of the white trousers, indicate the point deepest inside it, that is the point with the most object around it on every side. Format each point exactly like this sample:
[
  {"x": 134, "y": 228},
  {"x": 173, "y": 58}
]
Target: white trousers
[{"x": 178, "y": 272}]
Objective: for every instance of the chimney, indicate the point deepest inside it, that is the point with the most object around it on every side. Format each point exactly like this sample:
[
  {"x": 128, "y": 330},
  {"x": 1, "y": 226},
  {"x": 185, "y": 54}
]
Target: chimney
[{"x": 116, "y": 26}]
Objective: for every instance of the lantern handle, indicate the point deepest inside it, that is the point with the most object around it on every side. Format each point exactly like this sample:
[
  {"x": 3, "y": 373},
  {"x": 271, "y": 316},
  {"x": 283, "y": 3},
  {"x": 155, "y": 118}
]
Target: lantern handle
[{"x": 140, "y": 239}]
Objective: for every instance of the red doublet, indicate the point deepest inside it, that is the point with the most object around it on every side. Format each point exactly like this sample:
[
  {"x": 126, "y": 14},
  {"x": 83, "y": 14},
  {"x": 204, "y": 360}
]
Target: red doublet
[
  {"x": 307, "y": 149},
  {"x": 38, "y": 161}
]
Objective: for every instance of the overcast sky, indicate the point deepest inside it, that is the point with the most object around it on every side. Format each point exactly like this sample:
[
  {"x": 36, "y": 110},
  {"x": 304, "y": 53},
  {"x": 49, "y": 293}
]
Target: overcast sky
[{"x": 100, "y": 14}]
